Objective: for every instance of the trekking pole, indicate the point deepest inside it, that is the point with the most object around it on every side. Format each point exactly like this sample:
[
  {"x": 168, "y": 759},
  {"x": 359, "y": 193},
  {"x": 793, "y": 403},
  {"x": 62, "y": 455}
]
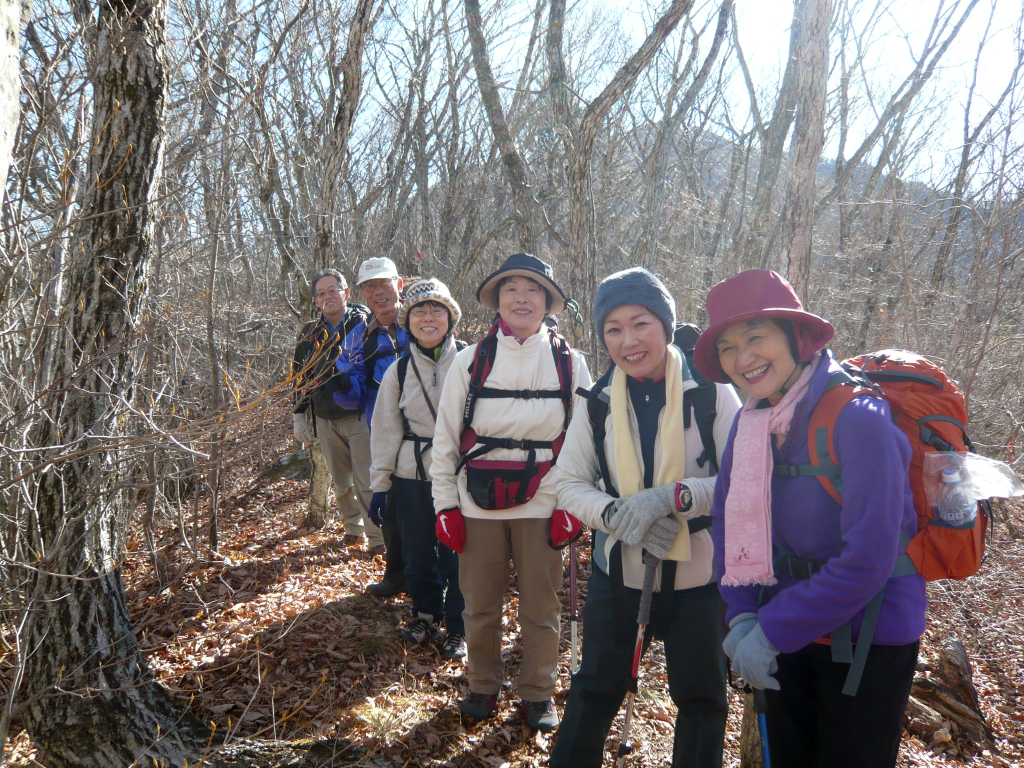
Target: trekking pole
[
  {"x": 761, "y": 706},
  {"x": 642, "y": 619},
  {"x": 574, "y": 612}
]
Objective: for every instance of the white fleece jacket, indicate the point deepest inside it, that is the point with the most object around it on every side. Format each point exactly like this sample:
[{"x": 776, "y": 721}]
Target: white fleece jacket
[
  {"x": 530, "y": 365},
  {"x": 391, "y": 455},
  {"x": 579, "y": 493}
]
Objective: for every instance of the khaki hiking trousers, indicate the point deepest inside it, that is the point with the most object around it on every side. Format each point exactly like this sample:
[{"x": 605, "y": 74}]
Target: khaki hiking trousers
[
  {"x": 345, "y": 443},
  {"x": 484, "y": 576}
]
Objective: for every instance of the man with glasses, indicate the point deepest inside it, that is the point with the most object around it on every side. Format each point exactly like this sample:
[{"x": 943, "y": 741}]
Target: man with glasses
[
  {"x": 369, "y": 349},
  {"x": 342, "y": 430}
]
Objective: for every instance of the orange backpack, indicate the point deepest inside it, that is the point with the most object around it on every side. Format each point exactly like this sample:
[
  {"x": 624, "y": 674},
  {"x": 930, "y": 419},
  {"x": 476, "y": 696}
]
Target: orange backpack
[{"x": 929, "y": 409}]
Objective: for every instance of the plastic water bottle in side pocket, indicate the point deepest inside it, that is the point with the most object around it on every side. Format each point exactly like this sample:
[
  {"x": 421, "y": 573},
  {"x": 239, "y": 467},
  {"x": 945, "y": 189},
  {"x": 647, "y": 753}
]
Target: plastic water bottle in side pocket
[{"x": 955, "y": 507}]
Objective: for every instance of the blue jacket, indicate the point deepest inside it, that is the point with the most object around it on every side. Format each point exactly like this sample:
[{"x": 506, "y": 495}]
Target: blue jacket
[
  {"x": 366, "y": 367},
  {"x": 858, "y": 541}
]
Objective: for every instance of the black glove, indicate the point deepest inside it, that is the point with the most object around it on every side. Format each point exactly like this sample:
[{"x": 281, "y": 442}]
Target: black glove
[{"x": 378, "y": 504}]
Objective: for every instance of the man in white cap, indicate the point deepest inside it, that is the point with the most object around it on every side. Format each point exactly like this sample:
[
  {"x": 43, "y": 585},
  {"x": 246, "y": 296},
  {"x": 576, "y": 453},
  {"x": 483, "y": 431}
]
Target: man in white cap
[
  {"x": 369, "y": 349},
  {"x": 342, "y": 431}
]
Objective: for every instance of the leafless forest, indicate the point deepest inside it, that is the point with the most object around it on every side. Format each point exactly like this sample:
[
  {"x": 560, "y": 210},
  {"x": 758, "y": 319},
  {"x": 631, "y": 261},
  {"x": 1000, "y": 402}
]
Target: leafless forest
[{"x": 178, "y": 170}]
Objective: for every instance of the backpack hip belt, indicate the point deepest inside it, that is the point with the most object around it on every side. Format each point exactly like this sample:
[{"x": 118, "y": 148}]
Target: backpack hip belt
[{"x": 841, "y": 638}]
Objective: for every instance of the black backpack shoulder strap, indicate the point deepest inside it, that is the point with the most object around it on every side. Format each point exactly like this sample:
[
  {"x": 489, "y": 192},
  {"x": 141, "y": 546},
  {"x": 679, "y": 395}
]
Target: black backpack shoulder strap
[
  {"x": 354, "y": 315},
  {"x": 703, "y": 398},
  {"x": 597, "y": 413},
  {"x": 403, "y": 369},
  {"x": 563, "y": 365}
]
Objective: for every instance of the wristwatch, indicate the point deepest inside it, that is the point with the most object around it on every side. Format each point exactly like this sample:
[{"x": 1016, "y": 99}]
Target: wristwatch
[{"x": 684, "y": 498}]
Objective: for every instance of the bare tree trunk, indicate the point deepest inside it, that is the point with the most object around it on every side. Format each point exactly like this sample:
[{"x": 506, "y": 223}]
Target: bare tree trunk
[
  {"x": 655, "y": 168},
  {"x": 92, "y": 700},
  {"x": 10, "y": 84},
  {"x": 582, "y": 244},
  {"x": 515, "y": 166},
  {"x": 753, "y": 243},
  {"x": 337, "y": 152},
  {"x": 808, "y": 139},
  {"x": 318, "y": 513},
  {"x": 957, "y": 208}
]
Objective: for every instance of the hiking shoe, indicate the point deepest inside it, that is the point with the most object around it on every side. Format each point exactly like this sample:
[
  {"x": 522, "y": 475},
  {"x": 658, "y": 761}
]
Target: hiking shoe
[
  {"x": 387, "y": 587},
  {"x": 351, "y": 540},
  {"x": 477, "y": 706},
  {"x": 454, "y": 647},
  {"x": 421, "y": 629},
  {"x": 541, "y": 715}
]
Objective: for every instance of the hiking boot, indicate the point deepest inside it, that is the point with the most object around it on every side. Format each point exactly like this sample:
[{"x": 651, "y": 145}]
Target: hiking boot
[
  {"x": 541, "y": 715},
  {"x": 478, "y": 706},
  {"x": 351, "y": 540},
  {"x": 378, "y": 550},
  {"x": 387, "y": 587},
  {"x": 421, "y": 629},
  {"x": 454, "y": 647}
]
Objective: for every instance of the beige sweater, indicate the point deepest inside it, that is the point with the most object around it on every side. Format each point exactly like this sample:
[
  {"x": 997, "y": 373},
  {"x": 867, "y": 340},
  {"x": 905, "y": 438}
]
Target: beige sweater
[
  {"x": 391, "y": 455},
  {"x": 516, "y": 366},
  {"x": 579, "y": 493}
]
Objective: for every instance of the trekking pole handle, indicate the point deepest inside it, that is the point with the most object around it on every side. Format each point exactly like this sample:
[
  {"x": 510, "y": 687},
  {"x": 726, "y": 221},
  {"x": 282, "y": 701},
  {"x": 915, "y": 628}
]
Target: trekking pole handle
[{"x": 650, "y": 572}]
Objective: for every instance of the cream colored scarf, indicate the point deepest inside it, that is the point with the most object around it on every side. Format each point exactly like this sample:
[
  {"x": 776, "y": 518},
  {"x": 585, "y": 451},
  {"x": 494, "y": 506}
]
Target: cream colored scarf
[{"x": 671, "y": 462}]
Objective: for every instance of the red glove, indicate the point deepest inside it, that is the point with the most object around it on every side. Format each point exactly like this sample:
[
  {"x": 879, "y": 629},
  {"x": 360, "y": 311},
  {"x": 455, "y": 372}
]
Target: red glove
[
  {"x": 451, "y": 529},
  {"x": 565, "y": 529}
]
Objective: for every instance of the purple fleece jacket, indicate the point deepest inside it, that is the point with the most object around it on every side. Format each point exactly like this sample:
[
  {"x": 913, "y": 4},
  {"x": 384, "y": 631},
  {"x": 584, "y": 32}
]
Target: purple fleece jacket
[{"x": 858, "y": 541}]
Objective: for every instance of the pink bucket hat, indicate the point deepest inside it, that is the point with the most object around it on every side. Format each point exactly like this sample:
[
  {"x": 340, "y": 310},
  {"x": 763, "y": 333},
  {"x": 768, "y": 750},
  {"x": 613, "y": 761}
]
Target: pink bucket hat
[{"x": 754, "y": 295}]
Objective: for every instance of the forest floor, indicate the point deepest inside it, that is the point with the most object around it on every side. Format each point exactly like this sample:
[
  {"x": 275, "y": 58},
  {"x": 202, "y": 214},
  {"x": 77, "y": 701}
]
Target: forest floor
[{"x": 276, "y": 639}]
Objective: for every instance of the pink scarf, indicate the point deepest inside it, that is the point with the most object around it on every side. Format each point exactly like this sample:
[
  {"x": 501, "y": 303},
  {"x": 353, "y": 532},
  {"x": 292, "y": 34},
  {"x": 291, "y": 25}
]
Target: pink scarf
[{"x": 748, "y": 507}]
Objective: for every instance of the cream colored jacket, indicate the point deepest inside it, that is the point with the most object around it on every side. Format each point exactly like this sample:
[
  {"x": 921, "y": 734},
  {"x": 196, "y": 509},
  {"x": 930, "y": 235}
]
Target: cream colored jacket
[
  {"x": 579, "y": 492},
  {"x": 391, "y": 455},
  {"x": 530, "y": 365}
]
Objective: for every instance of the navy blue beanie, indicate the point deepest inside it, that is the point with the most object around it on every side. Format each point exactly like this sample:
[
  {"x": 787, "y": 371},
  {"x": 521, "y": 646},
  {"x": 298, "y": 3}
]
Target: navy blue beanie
[{"x": 634, "y": 286}]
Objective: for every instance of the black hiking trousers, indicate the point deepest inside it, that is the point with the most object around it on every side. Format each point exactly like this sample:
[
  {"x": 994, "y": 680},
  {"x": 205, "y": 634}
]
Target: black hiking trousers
[
  {"x": 691, "y": 622},
  {"x": 812, "y": 724}
]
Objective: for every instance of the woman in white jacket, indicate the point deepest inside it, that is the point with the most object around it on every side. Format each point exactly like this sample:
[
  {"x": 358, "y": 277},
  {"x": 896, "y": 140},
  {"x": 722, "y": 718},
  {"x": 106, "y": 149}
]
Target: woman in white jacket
[
  {"x": 500, "y": 426},
  {"x": 659, "y": 467},
  {"x": 400, "y": 444}
]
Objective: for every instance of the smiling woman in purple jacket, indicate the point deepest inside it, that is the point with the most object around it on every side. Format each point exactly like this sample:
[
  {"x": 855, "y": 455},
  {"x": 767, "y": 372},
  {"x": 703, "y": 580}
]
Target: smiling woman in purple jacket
[{"x": 805, "y": 578}]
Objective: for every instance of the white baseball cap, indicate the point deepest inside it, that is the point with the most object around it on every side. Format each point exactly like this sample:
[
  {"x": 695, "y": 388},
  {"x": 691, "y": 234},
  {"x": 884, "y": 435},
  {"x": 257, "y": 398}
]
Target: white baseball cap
[{"x": 376, "y": 268}]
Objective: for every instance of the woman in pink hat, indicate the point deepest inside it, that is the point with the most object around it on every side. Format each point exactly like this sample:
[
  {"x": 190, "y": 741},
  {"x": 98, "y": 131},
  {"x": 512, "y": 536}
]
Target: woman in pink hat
[{"x": 824, "y": 613}]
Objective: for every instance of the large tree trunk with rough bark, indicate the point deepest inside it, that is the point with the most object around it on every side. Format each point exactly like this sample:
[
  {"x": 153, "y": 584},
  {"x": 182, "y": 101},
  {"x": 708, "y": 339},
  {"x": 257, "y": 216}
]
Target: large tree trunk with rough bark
[
  {"x": 89, "y": 697},
  {"x": 92, "y": 700}
]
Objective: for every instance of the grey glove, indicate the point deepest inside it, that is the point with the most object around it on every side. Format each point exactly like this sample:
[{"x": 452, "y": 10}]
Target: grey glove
[
  {"x": 660, "y": 536},
  {"x": 301, "y": 429},
  {"x": 739, "y": 628},
  {"x": 632, "y": 517},
  {"x": 755, "y": 660}
]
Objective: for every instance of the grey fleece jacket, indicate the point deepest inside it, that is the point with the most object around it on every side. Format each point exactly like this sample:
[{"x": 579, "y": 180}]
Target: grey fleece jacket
[{"x": 390, "y": 454}]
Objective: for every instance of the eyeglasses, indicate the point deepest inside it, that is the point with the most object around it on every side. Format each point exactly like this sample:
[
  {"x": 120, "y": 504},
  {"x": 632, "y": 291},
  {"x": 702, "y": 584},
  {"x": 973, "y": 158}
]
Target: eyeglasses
[
  {"x": 421, "y": 312},
  {"x": 328, "y": 292}
]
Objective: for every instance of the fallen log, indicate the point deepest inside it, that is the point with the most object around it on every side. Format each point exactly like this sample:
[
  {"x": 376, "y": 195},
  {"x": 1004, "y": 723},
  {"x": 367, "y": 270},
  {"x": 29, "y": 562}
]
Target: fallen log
[{"x": 948, "y": 697}]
